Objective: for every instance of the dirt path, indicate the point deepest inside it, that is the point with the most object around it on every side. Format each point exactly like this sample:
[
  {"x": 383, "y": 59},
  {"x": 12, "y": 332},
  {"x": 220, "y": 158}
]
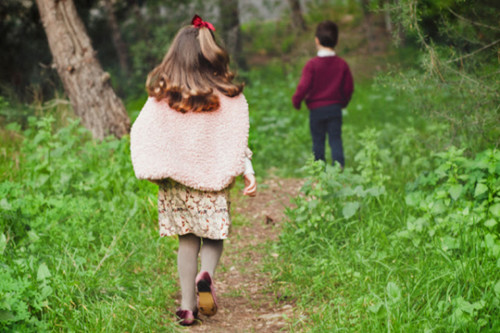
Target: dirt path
[{"x": 246, "y": 300}]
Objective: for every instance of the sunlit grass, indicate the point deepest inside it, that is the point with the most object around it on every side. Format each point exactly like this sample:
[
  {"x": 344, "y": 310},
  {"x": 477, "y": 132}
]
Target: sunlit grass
[{"x": 358, "y": 260}]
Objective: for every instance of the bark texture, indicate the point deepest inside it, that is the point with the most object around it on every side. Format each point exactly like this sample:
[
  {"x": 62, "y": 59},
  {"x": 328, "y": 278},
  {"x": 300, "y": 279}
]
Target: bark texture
[
  {"x": 86, "y": 84},
  {"x": 120, "y": 47},
  {"x": 368, "y": 25},
  {"x": 231, "y": 32},
  {"x": 298, "y": 22}
]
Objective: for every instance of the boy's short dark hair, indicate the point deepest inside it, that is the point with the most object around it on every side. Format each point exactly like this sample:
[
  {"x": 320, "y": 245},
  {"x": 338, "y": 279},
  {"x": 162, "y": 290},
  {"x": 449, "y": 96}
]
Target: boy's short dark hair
[{"x": 327, "y": 33}]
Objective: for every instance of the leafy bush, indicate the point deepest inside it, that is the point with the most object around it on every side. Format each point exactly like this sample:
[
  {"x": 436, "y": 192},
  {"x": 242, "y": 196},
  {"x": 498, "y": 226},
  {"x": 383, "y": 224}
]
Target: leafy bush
[
  {"x": 456, "y": 83},
  {"x": 78, "y": 242},
  {"x": 466, "y": 103},
  {"x": 268, "y": 38},
  {"x": 10, "y": 113},
  {"x": 369, "y": 251},
  {"x": 319, "y": 10}
]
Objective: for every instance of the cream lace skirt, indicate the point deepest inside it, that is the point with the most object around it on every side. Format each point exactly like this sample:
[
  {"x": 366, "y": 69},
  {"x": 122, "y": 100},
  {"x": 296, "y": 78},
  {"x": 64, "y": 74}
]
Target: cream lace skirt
[{"x": 183, "y": 210}]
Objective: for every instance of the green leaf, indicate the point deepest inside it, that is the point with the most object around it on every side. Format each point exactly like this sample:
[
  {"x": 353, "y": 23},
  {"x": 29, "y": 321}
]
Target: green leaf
[
  {"x": 479, "y": 304},
  {"x": 468, "y": 307},
  {"x": 33, "y": 236},
  {"x": 416, "y": 224},
  {"x": 350, "y": 209},
  {"x": 495, "y": 210},
  {"x": 482, "y": 322},
  {"x": 449, "y": 243},
  {"x": 15, "y": 127},
  {"x": 41, "y": 180},
  {"x": 6, "y": 316},
  {"x": 490, "y": 223},
  {"x": 413, "y": 198},
  {"x": 393, "y": 291},
  {"x": 437, "y": 207},
  {"x": 465, "y": 306},
  {"x": 45, "y": 291},
  {"x": 359, "y": 191},
  {"x": 455, "y": 191},
  {"x": 5, "y": 205},
  {"x": 489, "y": 239},
  {"x": 495, "y": 251},
  {"x": 375, "y": 308},
  {"x": 43, "y": 272},
  {"x": 497, "y": 288},
  {"x": 480, "y": 189},
  {"x": 376, "y": 191},
  {"x": 3, "y": 243}
]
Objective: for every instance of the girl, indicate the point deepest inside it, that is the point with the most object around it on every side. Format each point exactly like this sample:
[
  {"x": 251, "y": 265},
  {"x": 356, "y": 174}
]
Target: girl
[{"x": 191, "y": 138}]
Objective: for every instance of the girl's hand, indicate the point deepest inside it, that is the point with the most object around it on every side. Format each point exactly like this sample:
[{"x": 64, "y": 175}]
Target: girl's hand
[{"x": 250, "y": 185}]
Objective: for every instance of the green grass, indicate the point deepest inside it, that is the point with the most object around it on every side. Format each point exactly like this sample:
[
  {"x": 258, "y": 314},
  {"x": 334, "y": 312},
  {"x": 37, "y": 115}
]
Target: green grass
[
  {"x": 78, "y": 242},
  {"x": 405, "y": 239}
]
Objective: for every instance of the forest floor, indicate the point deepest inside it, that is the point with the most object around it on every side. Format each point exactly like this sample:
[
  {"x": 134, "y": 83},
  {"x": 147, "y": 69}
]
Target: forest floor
[{"x": 247, "y": 302}]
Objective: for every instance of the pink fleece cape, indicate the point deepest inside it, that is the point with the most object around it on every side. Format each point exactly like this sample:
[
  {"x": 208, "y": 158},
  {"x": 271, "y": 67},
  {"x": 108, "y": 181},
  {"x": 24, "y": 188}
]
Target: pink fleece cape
[{"x": 202, "y": 150}]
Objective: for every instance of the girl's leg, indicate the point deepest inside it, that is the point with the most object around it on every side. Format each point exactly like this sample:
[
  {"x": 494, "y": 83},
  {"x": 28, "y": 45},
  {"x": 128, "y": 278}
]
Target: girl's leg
[
  {"x": 211, "y": 250},
  {"x": 187, "y": 265}
]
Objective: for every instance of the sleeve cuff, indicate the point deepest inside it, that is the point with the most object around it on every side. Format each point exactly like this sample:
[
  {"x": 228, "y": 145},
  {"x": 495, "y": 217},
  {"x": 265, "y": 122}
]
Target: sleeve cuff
[{"x": 248, "y": 167}]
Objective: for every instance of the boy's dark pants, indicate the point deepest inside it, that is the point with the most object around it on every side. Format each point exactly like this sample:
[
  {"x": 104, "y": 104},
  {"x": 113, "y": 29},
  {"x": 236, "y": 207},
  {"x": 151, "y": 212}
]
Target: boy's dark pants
[{"x": 323, "y": 120}]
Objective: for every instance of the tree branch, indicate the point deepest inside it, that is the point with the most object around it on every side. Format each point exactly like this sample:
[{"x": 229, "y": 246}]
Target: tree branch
[
  {"x": 473, "y": 22},
  {"x": 472, "y": 53}
]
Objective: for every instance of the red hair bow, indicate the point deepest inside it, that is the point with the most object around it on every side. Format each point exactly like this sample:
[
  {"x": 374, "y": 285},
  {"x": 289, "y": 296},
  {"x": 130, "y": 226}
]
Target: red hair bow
[{"x": 199, "y": 23}]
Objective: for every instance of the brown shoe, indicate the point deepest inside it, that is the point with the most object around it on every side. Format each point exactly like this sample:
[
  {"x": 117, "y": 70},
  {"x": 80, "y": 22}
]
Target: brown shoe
[{"x": 207, "y": 302}]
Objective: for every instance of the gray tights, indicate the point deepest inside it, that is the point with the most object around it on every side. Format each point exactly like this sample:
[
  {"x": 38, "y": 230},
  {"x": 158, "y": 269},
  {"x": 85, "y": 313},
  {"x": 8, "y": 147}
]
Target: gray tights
[{"x": 187, "y": 264}]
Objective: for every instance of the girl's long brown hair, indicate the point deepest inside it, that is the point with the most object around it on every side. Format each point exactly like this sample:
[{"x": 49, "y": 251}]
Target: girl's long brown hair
[{"x": 194, "y": 66}]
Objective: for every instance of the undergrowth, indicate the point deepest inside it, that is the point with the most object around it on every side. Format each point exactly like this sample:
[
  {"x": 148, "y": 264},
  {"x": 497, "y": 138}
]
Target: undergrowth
[
  {"x": 406, "y": 238},
  {"x": 79, "y": 250}
]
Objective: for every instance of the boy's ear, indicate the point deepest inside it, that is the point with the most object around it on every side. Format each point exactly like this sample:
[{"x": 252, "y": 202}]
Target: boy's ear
[{"x": 316, "y": 40}]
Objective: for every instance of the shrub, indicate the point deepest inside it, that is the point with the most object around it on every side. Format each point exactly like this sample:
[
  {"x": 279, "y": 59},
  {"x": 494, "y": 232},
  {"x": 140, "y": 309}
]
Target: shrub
[
  {"x": 371, "y": 250},
  {"x": 78, "y": 242}
]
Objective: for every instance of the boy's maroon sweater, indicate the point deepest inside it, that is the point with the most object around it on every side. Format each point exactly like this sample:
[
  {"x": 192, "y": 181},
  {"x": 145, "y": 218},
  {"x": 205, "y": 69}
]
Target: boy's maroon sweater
[{"x": 324, "y": 81}]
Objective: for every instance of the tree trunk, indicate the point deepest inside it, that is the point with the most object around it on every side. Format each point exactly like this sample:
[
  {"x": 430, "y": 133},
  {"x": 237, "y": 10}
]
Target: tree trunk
[
  {"x": 120, "y": 47},
  {"x": 392, "y": 8},
  {"x": 86, "y": 84},
  {"x": 400, "y": 27},
  {"x": 368, "y": 25},
  {"x": 231, "y": 32},
  {"x": 387, "y": 16},
  {"x": 298, "y": 22}
]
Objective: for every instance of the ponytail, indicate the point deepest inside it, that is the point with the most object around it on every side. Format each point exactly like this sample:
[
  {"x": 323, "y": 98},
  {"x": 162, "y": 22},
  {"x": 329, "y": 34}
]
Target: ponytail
[
  {"x": 193, "y": 68},
  {"x": 215, "y": 55}
]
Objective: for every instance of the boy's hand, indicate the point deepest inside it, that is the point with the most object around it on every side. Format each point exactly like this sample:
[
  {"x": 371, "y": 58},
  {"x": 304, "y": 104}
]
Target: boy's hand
[{"x": 250, "y": 185}]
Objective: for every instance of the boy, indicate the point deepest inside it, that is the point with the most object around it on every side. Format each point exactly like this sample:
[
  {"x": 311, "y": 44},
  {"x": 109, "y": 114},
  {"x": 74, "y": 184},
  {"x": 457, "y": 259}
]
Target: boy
[{"x": 327, "y": 86}]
